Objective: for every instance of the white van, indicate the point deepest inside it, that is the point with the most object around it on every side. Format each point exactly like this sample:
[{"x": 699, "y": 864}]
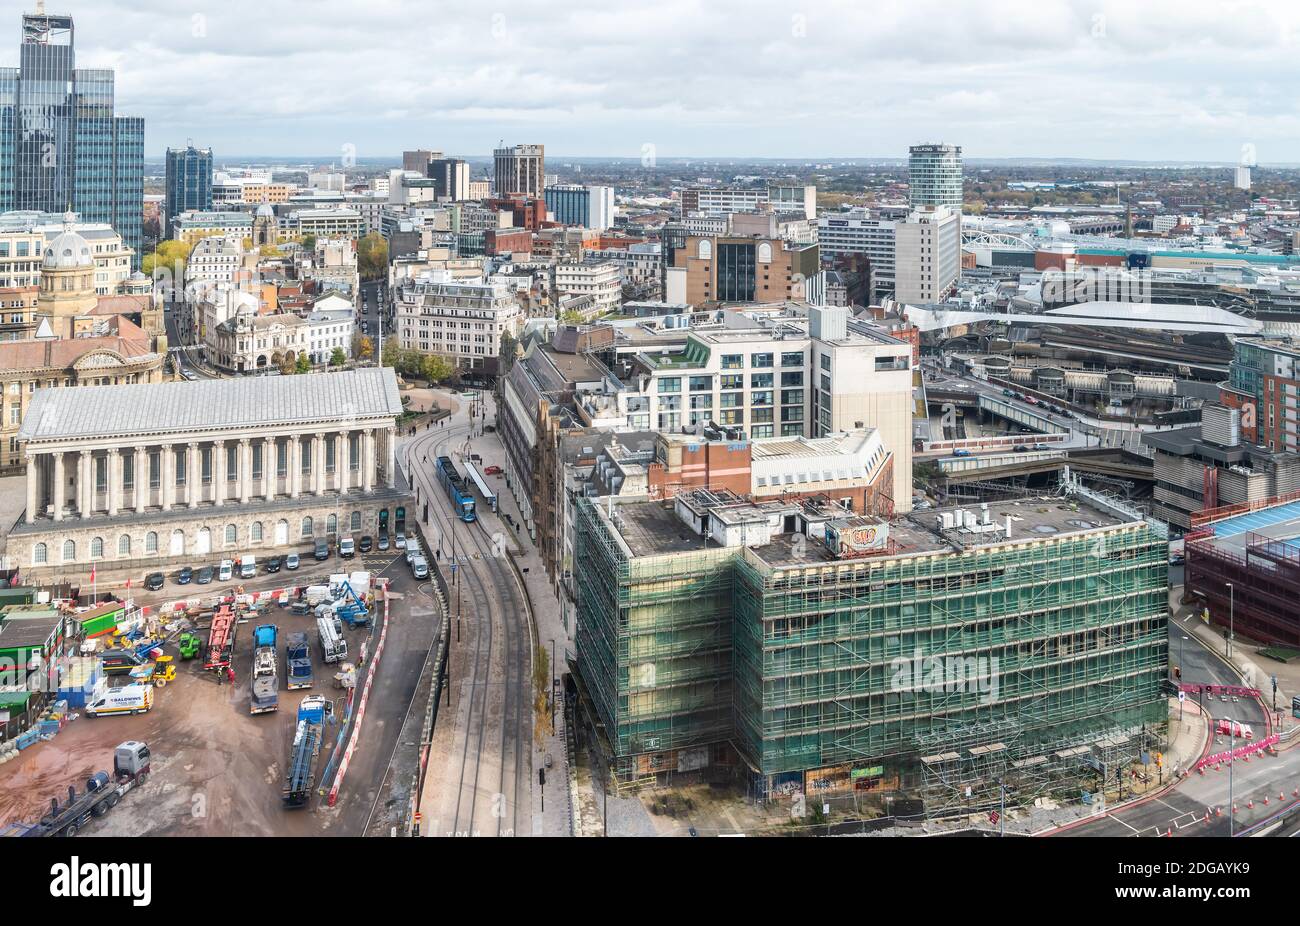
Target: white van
[
  {"x": 248, "y": 566},
  {"x": 226, "y": 571},
  {"x": 129, "y": 699},
  {"x": 333, "y": 647}
]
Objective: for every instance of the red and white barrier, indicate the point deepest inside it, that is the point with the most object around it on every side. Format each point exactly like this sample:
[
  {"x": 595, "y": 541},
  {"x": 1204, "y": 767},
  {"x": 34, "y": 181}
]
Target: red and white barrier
[{"x": 361, "y": 708}]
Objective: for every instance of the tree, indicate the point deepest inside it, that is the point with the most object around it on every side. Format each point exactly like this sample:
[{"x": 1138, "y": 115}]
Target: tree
[
  {"x": 309, "y": 242},
  {"x": 437, "y": 367},
  {"x": 304, "y": 364},
  {"x": 572, "y": 317},
  {"x": 365, "y": 348},
  {"x": 392, "y": 355},
  {"x": 372, "y": 256},
  {"x": 169, "y": 258},
  {"x": 338, "y": 358}
]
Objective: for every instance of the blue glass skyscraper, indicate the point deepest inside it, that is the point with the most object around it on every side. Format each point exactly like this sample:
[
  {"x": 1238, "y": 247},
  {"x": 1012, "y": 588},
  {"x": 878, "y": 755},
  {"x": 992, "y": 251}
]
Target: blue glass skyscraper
[
  {"x": 61, "y": 146},
  {"x": 189, "y": 182}
]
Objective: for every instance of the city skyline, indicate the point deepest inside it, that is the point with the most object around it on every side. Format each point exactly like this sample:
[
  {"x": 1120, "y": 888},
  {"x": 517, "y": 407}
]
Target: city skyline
[{"x": 883, "y": 78}]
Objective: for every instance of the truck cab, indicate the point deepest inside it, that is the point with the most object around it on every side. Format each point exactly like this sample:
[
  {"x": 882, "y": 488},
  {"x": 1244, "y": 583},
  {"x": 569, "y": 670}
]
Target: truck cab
[
  {"x": 226, "y": 571},
  {"x": 248, "y": 566}
]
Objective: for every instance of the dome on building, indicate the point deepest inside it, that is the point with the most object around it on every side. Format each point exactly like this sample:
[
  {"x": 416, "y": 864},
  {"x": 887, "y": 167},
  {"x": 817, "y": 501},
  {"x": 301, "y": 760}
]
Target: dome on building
[
  {"x": 265, "y": 211},
  {"x": 68, "y": 250}
]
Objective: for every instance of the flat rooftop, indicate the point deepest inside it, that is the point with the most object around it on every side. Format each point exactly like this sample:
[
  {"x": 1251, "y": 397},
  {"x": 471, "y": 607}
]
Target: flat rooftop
[
  {"x": 1279, "y": 522},
  {"x": 652, "y": 528}
]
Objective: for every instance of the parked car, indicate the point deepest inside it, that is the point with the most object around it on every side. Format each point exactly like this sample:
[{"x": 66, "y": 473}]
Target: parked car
[
  {"x": 347, "y": 548},
  {"x": 154, "y": 581},
  {"x": 420, "y": 567},
  {"x": 492, "y": 470},
  {"x": 366, "y": 544},
  {"x": 273, "y": 564},
  {"x": 322, "y": 550},
  {"x": 1041, "y": 447},
  {"x": 1019, "y": 448},
  {"x": 489, "y": 428},
  {"x": 383, "y": 541},
  {"x": 226, "y": 570},
  {"x": 204, "y": 575},
  {"x": 291, "y": 562},
  {"x": 961, "y": 453},
  {"x": 399, "y": 541},
  {"x": 1006, "y": 392},
  {"x": 185, "y": 575}
]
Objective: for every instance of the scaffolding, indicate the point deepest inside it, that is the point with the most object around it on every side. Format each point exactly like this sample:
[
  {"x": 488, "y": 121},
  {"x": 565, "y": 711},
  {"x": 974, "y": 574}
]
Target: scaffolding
[
  {"x": 820, "y": 673},
  {"x": 1056, "y": 642},
  {"x": 654, "y": 648}
]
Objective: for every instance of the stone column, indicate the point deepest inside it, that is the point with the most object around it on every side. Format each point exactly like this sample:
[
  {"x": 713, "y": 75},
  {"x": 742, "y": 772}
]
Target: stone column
[
  {"x": 342, "y": 457},
  {"x": 141, "y": 478},
  {"x": 390, "y": 456},
  {"x": 318, "y": 479},
  {"x": 245, "y": 463},
  {"x": 33, "y": 485},
  {"x": 167, "y": 476},
  {"x": 193, "y": 477},
  {"x": 269, "y": 464},
  {"x": 294, "y": 457},
  {"x": 218, "y": 472},
  {"x": 85, "y": 485},
  {"x": 60, "y": 486},
  {"x": 367, "y": 459},
  {"x": 114, "y": 468}
]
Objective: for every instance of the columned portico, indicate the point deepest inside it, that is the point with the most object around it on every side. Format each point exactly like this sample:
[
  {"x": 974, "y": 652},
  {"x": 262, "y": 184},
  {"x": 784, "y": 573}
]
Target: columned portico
[{"x": 102, "y": 461}]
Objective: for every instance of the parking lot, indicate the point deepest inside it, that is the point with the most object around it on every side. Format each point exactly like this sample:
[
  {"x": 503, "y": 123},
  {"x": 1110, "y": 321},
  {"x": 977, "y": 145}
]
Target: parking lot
[{"x": 217, "y": 770}]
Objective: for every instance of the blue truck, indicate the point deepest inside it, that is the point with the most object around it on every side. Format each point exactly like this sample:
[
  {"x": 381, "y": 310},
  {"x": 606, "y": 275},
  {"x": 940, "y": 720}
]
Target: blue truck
[
  {"x": 265, "y": 694},
  {"x": 297, "y": 661},
  {"x": 309, "y": 732}
]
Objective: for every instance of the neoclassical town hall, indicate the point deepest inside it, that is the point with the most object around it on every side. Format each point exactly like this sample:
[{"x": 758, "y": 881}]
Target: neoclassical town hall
[{"x": 180, "y": 473}]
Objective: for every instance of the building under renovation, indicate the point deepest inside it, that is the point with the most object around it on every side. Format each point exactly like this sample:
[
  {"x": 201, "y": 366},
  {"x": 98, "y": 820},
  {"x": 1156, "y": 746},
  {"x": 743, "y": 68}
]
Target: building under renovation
[{"x": 806, "y": 650}]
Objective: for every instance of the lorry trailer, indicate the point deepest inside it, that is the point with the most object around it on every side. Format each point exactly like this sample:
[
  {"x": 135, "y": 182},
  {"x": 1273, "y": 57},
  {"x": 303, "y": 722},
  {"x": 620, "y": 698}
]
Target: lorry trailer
[
  {"x": 309, "y": 732},
  {"x": 102, "y": 794}
]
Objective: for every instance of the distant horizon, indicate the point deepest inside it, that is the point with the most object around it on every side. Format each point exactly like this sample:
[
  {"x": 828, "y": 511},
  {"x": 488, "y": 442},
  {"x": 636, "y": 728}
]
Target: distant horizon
[{"x": 858, "y": 160}]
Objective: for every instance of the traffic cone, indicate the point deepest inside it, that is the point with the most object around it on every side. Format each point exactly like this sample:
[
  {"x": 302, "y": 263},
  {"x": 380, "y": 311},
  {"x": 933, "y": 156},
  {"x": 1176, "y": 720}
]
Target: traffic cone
[
  {"x": 1250, "y": 804},
  {"x": 1218, "y": 811},
  {"x": 1265, "y": 800},
  {"x": 1169, "y": 832}
]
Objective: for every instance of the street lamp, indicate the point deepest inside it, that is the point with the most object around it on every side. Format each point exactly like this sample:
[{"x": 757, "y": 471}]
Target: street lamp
[
  {"x": 1180, "y": 675},
  {"x": 1232, "y": 608},
  {"x": 1232, "y": 747}
]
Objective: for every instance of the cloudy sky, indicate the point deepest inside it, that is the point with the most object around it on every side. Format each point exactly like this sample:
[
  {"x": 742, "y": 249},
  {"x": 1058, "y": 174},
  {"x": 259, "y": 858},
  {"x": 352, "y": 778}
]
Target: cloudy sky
[{"x": 1163, "y": 80}]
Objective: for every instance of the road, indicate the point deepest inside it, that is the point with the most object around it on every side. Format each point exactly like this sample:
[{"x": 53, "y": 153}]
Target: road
[
  {"x": 484, "y": 785},
  {"x": 1183, "y": 811}
]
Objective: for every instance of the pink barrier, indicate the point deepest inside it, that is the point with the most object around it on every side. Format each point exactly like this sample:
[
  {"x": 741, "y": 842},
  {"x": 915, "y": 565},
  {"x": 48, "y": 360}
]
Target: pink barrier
[{"x": 1240, "y": 752}]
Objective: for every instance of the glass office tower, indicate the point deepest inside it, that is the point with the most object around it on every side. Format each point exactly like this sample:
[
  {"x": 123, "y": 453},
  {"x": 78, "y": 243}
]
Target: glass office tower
[
  {"x": 61, "y": 146},
  {"x": 189, "y": 182}
]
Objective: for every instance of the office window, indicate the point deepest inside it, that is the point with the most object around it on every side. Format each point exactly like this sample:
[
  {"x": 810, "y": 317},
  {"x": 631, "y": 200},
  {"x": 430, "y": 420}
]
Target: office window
[
  {"x": 793, "y": 359},
  {"x": 792, "y": 378},
  {"x": 760, "y": 380},
  {"x": 701, "y": 383},
  {"x": 733, "y": 361},
  {"x": 792, "y": 397},
  {"x": 670, "y": 384},
  {"x": 761, "y": 360},
  {"x": 733, "y": 381}
]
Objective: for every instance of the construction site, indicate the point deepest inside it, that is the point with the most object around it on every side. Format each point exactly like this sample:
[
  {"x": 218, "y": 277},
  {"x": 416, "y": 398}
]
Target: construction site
[{"x": 935, "y": 658}]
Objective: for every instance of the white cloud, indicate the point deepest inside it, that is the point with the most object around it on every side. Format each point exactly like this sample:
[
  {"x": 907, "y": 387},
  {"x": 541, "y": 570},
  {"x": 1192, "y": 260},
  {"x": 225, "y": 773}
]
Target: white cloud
[{"x": 1160, "y": 79}]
